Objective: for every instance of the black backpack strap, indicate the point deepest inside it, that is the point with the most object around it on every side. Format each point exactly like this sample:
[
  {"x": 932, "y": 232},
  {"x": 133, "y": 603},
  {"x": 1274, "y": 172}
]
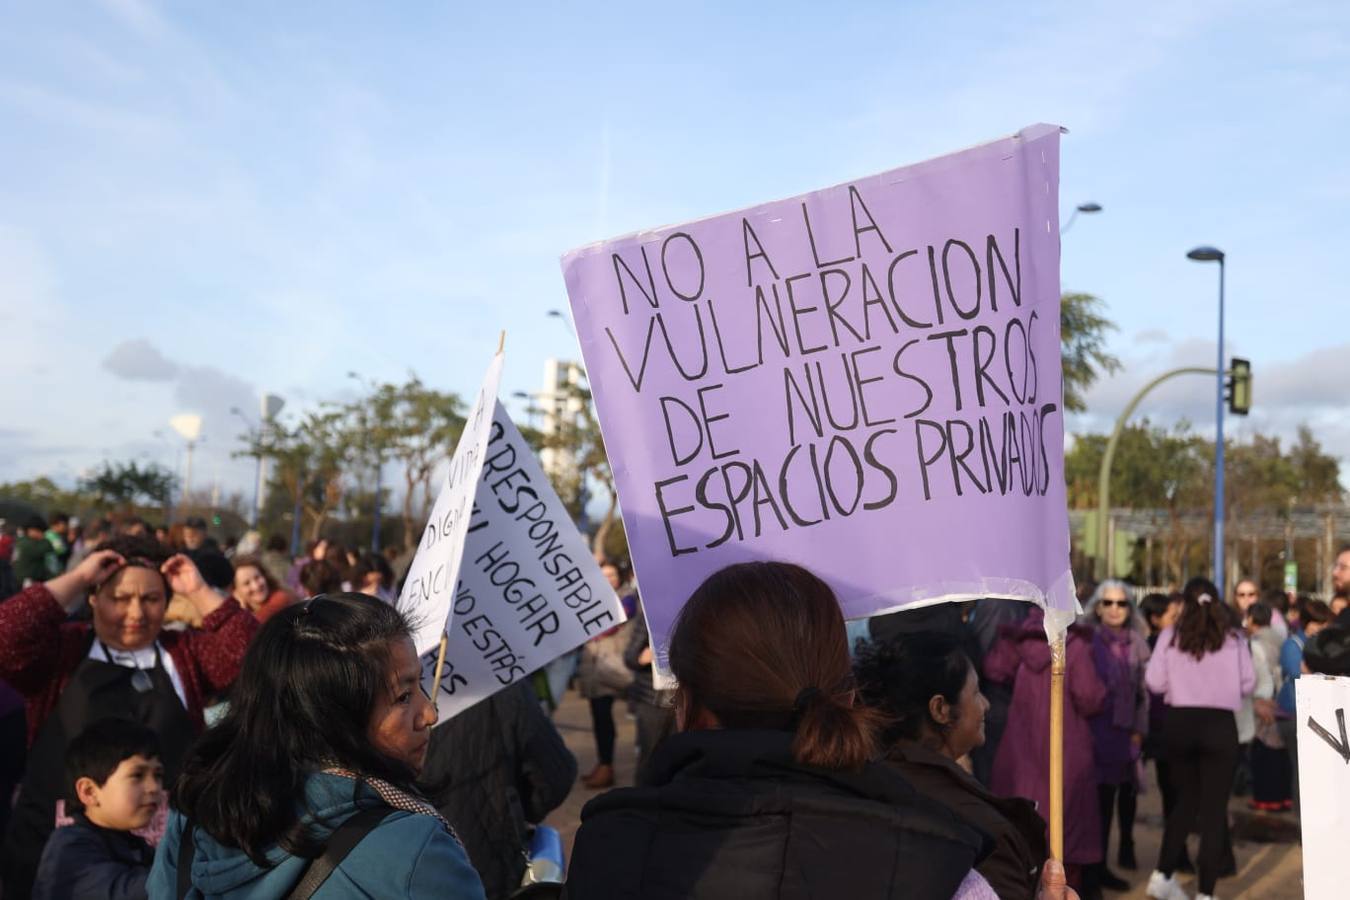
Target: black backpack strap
[
  {"x": 185, "y": 853},
  {"x": 342, "y": 842}
]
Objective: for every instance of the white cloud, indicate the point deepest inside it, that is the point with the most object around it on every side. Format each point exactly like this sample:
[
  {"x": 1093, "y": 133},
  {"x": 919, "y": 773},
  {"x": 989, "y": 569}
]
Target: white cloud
[
  {"x": 1152, "y": 336},
  {"x": 27, "y": 282},
  {"x": 1312, "y": 389},
  {"x": 139, "y": 360},
  {"x": 75, "y": 112},
  {"x": 137, "y": 15}
]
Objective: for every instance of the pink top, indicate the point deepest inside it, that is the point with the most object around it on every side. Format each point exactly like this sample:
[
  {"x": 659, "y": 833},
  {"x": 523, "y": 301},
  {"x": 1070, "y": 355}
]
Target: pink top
[{"x": 1217, "y": 680}]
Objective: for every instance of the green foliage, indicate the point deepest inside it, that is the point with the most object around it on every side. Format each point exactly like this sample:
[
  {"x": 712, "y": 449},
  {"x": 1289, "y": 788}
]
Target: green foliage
[
  {"x": 332, "y": 453},
  {"x": 1082, "y": 333},
  {"x": 1316, "y": 476},
  {"x": 124, "y": 485},
  {"x": 44, "y": 495},
  {"x": 580, "y": 448},
  {"x": 1171, "y": 472},
  {"x": 308, "y": 459},
  {"x": 1157, "y": 468},
  {"x": 415, "y": 426},
  {"x": 1153, "y": 468}
]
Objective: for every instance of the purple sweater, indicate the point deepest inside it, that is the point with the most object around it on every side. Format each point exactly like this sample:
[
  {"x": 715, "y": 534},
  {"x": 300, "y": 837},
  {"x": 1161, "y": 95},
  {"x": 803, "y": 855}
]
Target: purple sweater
[{"x": 1218, "y": 680}]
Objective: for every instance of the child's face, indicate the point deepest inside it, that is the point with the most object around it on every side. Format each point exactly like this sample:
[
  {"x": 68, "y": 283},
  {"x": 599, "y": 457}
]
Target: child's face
[
  {"x": 1170, "y": 617},
  {"x": 128, "y": 799}
]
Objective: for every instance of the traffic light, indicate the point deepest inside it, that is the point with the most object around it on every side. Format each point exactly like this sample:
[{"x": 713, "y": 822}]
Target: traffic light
[{"x": 1239, "y": 391}]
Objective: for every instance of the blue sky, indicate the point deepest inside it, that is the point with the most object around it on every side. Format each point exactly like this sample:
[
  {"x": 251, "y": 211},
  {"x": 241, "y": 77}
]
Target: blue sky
[{"x": 199, "y": 202}]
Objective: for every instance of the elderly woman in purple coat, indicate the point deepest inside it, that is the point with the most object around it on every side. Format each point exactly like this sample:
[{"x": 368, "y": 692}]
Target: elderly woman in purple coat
[
  {"x": 1021, "y": 656},
  {"x": 1120, "y": 653}
]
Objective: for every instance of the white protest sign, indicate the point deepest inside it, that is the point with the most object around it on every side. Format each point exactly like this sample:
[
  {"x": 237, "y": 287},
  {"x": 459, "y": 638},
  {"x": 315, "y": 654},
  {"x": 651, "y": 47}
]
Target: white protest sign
[
  {"x": 428, "y": 590},
  {"x": 529, "y": 588},
  {"x": 1324, "y": 783}
]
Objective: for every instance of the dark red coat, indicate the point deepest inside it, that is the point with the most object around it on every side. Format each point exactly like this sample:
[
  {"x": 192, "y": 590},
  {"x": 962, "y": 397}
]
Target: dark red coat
[
  {"x": 40, "y": 650},
  {"x": 1021, "y": 656}
]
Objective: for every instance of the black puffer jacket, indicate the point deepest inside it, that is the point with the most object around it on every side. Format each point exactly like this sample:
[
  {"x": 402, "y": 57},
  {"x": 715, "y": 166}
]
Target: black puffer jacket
[
  {"x": 492, "y": 770},
  {"x": 729, "y": 816}
]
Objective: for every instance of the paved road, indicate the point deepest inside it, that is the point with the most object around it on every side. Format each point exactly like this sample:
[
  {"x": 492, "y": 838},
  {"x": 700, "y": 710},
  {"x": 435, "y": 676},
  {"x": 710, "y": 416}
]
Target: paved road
[{"x": 1266, "y": 871}]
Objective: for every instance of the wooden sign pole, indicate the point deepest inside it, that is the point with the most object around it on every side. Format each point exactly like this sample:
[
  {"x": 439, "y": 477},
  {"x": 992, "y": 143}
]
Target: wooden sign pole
[
  {"x": 436, "y": 681},
  {"x": 440, "y": 655},
  {"x": 1057, "y": 652}
]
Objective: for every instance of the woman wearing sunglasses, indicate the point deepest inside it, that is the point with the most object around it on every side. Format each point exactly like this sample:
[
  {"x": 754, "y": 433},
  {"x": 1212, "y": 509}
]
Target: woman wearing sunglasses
[{"x": 1120, "y": 654}]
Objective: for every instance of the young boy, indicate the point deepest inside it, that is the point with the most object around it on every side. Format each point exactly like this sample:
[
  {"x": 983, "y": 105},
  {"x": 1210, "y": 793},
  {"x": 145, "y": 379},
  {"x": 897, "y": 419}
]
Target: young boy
[{"x": 116, "y": 784}]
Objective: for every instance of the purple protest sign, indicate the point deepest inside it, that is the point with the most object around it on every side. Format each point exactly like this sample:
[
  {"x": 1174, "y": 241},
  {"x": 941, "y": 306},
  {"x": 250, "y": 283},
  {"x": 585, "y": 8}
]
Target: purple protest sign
[{"x": 864, "y": 380}]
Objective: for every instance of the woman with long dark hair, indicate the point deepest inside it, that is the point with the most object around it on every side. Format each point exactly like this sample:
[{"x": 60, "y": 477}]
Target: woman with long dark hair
[
  {"x": 1203, "y": 668},
  {"x": 768, "y": 788},
  {"x": 326, "y": 733},
  {"x": 929, "y": 692}
]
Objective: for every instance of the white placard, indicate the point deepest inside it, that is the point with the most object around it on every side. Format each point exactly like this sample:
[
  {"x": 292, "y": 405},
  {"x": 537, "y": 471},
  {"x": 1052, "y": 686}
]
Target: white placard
[
  {"x": 428, "y": 593},
  {"x": 1324, "y": 783},
  {"x": 529, "y": 587}
]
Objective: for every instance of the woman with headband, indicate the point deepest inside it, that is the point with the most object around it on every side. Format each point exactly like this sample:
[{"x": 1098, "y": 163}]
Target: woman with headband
[
  {"x": 120, "y": 664},
  {"x": 1203, "y": 668}
]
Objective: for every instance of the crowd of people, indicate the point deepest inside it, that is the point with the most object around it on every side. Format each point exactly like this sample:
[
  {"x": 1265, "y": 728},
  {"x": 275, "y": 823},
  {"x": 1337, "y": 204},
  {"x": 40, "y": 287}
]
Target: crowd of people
[{"x": 186, "y": 719}]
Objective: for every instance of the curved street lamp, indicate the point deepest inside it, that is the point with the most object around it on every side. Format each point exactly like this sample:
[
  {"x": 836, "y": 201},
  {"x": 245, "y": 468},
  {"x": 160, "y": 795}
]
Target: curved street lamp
[{"x": 1087, "y": 208}]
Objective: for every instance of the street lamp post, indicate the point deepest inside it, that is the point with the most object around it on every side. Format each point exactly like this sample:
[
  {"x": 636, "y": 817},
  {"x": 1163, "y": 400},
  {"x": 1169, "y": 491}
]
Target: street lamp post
[
  {"x": 1214, "y": 254},
  {"x": 564, "y": 318},
  {"x": 297, "y": 512},
  {"x": 268, "y": 408},
  {"x": 256, "y": 435},
  {"x": 189, "y": 428},
  {"x": 1088, "y": 208},
  {"x": 530, "y": 409}
]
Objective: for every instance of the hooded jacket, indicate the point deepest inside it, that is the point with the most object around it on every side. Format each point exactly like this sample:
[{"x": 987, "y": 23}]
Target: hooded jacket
[
  {"x": 406, "y": 855},
  {"x": 1021, "y": 656},
  {"x": 727, "y": 813}
]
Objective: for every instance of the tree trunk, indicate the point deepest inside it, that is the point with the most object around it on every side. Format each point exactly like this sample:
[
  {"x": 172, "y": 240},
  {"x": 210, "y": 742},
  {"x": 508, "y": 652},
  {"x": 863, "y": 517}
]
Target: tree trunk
[
  {"x": 410, "y": 530},
  {"x": 602, "y": 533}
]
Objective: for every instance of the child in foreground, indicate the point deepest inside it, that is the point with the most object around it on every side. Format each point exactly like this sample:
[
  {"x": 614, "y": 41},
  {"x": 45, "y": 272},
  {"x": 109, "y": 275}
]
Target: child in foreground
[{"x": 116, "y": 782}]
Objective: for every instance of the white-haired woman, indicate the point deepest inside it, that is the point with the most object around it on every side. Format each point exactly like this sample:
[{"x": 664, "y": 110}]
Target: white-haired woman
[{"x": 1120, "y": 653}]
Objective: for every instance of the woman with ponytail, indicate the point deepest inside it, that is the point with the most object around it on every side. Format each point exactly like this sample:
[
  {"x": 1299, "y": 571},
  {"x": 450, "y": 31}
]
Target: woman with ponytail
[
  {"x": 1203, "y": 667},
  {"x": 768, "y": 788}
]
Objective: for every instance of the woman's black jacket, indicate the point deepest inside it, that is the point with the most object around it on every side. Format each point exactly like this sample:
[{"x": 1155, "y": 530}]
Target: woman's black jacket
[
  {"x": 492, "y": 771},
  {"x": 728, "y": 814}
]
